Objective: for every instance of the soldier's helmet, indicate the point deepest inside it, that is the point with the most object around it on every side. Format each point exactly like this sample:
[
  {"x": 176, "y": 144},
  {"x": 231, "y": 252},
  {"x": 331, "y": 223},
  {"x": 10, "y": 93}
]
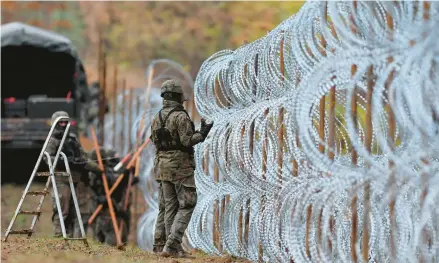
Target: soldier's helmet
[
  {"x": 172, "y": 86},
  {"x": 58, "y": 114}
]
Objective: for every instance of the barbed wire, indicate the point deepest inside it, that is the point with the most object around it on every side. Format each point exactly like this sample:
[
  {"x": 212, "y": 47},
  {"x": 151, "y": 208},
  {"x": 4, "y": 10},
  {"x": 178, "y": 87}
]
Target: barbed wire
[{"x": 285, "y": 156}]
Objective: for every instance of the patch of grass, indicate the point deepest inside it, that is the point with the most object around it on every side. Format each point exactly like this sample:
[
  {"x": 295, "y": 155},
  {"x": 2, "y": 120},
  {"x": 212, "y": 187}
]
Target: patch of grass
[{"x": 11, "y": 195}]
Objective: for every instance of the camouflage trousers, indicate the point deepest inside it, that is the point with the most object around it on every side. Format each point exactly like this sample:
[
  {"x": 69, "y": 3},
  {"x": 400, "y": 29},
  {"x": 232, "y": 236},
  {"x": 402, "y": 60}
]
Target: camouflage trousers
[
  {"x": 104, "y": 230},
  {"x": 71, "y": 222},
  {"x": 177, "y": 201}
]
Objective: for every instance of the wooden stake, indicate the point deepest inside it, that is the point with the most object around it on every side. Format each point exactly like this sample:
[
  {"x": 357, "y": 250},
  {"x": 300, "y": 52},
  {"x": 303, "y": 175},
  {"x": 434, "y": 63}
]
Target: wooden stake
[
  {"x": 216, "y": 211},
  {"x": 354, "y": 202},
  {"x": 354, "y": 230},
  {"x": 99, "y": 59},
  {"x": 322, "y": 150},
  {"x": 114, "y": 110},
  {"x": 331, "y": 145},
  {"x": 100, "y": 82},
  {"x": 280, "y": 132},
  {"x": 107, "y": 191},
  {"x": 368, "y": 144},
  {"x": 103, "y": 104},
  {"x": 206, "y": 170},
  {"x": 130, "y": 118},
  {"x": 122, "y": 132},
  {"x": 223, "y": 207},
  {"x": 370, "y": 85},
  {"x": 322, "y": 124},
  {"x": 295, "y": 163},
  {"x": 148, "y": 87},
  {"x": 129, "y": 166},
  {"x": 308, "y": 225},
  {"x": 331, "y": 124}
]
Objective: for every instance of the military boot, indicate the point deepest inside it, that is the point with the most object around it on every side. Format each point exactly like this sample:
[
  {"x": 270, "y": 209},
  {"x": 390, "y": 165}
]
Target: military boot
[
  {"x": 157, "y": 249},
  {"x": 182, "y": 253},
  {"x": 168, "y": 252}
]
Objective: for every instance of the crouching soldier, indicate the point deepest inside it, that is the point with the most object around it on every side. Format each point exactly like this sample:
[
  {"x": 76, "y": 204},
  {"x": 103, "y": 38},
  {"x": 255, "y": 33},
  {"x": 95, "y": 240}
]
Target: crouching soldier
[
  {"x": 103, "y": 226},
  {"x": 79, "y": 167}
]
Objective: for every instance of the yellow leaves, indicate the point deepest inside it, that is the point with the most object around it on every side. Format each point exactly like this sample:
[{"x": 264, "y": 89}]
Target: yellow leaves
[{"x": 138, "y": 32}]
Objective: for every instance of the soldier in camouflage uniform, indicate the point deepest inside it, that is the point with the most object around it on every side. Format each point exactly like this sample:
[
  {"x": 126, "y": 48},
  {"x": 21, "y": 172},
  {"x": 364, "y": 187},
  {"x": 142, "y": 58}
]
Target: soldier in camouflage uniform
[
  {"x": 86, "y": 205},
  {"x": 173, "y": 134},
  {"x": 79, "y": 167},
  {"x": 103, "y": 229}
]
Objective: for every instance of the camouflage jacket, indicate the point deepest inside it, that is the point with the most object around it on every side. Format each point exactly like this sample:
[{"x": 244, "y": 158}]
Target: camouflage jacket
[
  {"x": 76, "y": 156},
  {"x": 85, "y": 199},
  {"x": 175, "y": 165}
]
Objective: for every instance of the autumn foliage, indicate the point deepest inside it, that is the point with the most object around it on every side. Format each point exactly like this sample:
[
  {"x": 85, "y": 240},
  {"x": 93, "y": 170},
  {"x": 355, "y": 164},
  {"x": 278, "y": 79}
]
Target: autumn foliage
[{"x": 136, "y": 32}]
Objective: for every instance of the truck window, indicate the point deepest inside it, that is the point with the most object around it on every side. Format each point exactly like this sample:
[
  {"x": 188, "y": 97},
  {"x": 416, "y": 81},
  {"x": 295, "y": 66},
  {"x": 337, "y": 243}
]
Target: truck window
[{"x": 30, "y": 70}]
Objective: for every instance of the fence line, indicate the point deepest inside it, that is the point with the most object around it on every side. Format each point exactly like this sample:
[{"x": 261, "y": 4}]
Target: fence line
[{"x": 318, "y": 142}]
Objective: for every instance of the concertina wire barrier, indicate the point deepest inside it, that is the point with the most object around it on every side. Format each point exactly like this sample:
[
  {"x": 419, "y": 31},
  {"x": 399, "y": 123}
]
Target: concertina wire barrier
[{"x": 324, "y": 147}]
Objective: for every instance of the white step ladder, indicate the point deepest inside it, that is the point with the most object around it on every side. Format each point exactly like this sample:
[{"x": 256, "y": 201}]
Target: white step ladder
[{"x": 51, "y": 179}]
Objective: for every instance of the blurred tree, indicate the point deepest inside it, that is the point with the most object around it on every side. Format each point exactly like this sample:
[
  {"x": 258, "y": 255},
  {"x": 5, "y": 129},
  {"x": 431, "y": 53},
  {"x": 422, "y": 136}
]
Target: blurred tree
[
  {"x": 137, "y": 32},
  {"x": 62, "y": 17},
  {"x": 187, "y": 32}
]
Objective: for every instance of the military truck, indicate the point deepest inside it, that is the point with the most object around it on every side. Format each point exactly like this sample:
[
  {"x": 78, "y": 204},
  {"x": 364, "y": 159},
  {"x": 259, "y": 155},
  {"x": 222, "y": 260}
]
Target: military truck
[{"x": 41, "y": 73}]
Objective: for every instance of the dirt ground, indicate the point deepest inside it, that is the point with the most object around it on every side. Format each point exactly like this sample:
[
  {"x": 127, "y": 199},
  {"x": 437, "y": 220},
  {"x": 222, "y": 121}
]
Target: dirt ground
[
  {"x": 41, "y": 247},
  {"x": 51, "y": 250}
]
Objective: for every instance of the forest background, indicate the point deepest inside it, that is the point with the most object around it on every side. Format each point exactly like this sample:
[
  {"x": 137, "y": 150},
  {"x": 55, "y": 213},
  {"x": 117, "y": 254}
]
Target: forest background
[{"x": 135, "y": 33}]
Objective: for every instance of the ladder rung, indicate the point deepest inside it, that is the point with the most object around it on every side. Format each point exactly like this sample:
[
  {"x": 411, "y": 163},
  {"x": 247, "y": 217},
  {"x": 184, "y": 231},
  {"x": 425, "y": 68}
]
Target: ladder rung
[
  {"x": 22, "y": 232},
  {"x": 36, "y": 193},
  {"x": 56, "y": 174},
  {"x": 30, "y": 212}
]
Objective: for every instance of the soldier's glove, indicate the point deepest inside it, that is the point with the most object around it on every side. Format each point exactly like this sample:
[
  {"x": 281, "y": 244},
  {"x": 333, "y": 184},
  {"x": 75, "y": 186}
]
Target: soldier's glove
[{"x": 205, "y": 128}]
